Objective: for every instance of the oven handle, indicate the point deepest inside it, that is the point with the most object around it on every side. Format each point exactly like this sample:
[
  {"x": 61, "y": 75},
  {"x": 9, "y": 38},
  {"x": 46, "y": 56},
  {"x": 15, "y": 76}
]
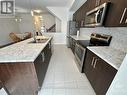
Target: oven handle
[{"x": 80, "y": 46}]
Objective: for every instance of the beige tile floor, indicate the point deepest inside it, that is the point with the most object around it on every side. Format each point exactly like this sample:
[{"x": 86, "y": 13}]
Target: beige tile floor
[{"x": 63, "y": 77}]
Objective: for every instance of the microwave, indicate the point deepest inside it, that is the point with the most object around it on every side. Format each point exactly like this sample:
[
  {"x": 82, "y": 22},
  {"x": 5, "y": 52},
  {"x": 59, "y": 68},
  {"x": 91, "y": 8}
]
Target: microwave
[{"x": 96, "y": 16}]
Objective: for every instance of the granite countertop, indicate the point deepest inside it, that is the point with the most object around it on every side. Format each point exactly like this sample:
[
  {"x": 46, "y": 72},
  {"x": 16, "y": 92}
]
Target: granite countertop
[
  {"x": 23, "y": 51},
  {"x": 112, "y": 56},
  {"x": 80, "y": 37}
]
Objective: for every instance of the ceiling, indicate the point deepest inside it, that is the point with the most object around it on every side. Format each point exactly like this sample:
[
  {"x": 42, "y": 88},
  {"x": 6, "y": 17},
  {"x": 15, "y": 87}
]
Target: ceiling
[
  {"x": 27, "y": 5},
  {"x": 76, "y": 5}
]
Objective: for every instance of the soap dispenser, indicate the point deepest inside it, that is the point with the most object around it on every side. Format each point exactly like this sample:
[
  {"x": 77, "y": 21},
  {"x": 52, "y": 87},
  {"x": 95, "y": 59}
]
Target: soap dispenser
[{"x": 78, "y": 33}]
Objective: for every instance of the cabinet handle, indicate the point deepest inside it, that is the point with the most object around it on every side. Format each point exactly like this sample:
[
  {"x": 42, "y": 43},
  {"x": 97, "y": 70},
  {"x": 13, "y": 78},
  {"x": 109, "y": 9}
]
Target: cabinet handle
[
  {"x": 43, "y": 57},
  {"x": 92, "y": 61},
  {"x": 121, "y": 20},
  {"x": 94, "y": 66}
]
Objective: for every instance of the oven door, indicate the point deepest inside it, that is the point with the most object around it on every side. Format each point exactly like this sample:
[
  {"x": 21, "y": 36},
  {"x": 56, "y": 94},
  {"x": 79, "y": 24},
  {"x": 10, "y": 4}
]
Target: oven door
[{"x": 79, "y": 55}]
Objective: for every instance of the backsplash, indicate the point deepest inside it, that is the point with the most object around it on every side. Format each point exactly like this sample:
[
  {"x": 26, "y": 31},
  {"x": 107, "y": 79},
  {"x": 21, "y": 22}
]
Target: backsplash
[{"x": 119, "y": 34}]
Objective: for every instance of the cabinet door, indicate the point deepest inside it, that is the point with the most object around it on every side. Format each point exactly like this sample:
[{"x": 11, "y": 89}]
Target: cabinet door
[
  {"x": 99, "y": 73},
  {"x": 48, "y": 53},
  {"x": 91, "y": 4},
  {"x": 107, "y": 74},
  {"x": 40, "y": 68},
  {"x": 84, "y": 10},
  {"x": 88, "y": 67},
  {"x": 79, "y": 15},
  {"x": 70, "y": 40},
  {"x": 115, "y": 13},
  {"x": 104, "y": 74},
  {"x": 73, "y": 45}
]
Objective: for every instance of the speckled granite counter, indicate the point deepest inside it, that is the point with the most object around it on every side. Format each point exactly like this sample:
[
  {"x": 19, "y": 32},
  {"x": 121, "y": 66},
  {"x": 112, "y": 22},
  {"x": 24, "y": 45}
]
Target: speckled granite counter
[
  {"x": 110, "y": 55},
  {"x": 80, "y": 38},
  {"x": 23, "y": 51}
]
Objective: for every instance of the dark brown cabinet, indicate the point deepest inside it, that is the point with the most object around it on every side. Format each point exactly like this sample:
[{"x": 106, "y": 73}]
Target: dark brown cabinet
[
  {"x": 40, "y": 69},
  {"x": 41, "y": 63},
  {"x": 103, "y": 1},
  {"x": 91, "y": 4},
  {"x": 116, "y": 15},
  {"x": 72, "y": 44},
  {"x": 116, "y": 12},
  {"x": 79, "y": 15},
  {"x": 84, "y": 9},
  {"x": 99, "y": 73},
  {"x": 25, "y": 78}
]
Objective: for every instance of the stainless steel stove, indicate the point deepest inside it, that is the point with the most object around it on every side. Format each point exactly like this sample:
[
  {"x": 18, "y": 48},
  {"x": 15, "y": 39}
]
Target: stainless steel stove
[{"x": 95, "y": 40}]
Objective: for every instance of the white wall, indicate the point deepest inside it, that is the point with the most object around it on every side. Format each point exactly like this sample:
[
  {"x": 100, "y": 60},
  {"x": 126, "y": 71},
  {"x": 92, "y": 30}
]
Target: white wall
[
  {"x": 119, "y": 84},
  {"x": 26, "y": 25},
  {"x": 119, "y": 34},
  {"x": 48, "y": 20},
  {"x": 7, "y": 25},
  {"x": 70, "y": 15},
  {"x": 58, "y": 24},
  {"x": 62, "y": 14},
  {"x": 58, "y": 38}
]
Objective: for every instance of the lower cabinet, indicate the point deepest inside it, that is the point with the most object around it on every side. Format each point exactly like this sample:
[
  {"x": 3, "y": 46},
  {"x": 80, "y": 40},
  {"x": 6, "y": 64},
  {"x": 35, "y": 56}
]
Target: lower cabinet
[
  {"x": 72, "y": 44},
  {"x": 41, "y": 63},
  {"x": 99, "y": 73}
]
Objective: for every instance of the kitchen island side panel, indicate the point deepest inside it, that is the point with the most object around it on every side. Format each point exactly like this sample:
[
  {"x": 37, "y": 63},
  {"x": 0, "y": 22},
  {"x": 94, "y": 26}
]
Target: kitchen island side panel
[{"x": 19, "y": 78}]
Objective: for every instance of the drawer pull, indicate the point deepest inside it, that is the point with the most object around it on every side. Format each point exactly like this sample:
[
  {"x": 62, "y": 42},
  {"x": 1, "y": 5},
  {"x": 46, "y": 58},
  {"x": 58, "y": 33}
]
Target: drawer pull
[
  {"x": 92, "y": 61},
  {"x": 94, "y": 66}
]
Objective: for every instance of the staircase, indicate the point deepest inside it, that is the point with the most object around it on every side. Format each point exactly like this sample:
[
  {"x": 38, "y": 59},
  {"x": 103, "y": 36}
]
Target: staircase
[{"x": 52, "y": 28}]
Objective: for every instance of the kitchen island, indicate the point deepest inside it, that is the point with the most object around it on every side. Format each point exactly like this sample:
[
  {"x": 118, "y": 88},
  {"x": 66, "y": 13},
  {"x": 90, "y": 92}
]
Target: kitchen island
[{"x": 23, "y": 66}]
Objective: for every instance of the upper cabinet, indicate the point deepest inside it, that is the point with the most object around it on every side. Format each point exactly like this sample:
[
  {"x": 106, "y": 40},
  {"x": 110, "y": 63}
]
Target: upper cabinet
[
  {"x": 79, "y": 15},
  {"x": 91, "y": 4},
  {"x": 116, "y": 15}
]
